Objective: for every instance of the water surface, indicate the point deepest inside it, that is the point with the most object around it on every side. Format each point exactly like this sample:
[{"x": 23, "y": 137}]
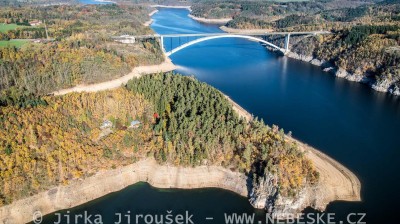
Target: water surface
[{"x": 348, "y": 121}]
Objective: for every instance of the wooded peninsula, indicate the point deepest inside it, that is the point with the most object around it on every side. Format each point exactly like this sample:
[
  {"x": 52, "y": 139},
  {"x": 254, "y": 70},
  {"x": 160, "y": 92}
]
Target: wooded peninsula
[{"x": 48, "y": 141}]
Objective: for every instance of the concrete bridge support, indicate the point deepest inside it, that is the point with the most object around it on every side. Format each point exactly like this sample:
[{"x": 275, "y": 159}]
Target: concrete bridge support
[
  {"x": 287, "y": 38},
  {"x": 162, "y": 43}
]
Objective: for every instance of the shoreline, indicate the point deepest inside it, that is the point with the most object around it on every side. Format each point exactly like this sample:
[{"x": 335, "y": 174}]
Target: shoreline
[
  {"x": 337, "y": 71},
  {"x": 210, "y": 21},
  {"x": 188, "y": 7},
  {"x": 166, "y": 66},
  {"x": 107, "y": 181},
  {"x": 233, "y": 30},
  {"x": 336, "y": 181},
  {"x": 150, "y": 21},
  {"x": 106, "y": 1},
  {"x": 342, "y": 73}
]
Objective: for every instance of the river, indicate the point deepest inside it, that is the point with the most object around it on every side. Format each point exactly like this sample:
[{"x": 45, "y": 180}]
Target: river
[{"x": 352, "y": 123}]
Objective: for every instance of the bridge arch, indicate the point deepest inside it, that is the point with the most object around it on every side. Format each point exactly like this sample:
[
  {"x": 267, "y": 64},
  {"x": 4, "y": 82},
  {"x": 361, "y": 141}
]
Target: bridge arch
[{"x": 183, "y": 46}]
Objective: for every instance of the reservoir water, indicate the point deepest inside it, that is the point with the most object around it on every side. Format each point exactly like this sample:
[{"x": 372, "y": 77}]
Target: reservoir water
[
  {"x": 348, "y": 121},
  {"x": 95, "y": 2}
]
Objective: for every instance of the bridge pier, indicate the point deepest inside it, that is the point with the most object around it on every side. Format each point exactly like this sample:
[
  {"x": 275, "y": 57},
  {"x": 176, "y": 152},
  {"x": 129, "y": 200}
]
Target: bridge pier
[
  {"x": 162, "y": 43},
  {"x": 287, "y": 38}
]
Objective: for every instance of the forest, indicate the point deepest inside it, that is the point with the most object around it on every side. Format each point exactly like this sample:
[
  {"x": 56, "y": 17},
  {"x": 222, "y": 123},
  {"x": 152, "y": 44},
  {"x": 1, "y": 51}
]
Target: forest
[
  {"x": 183, "y": 122},
  {"x": 369, "y": 52},
  {"x": 198, "y": 126},
  {"x": 80, "y": 50}
]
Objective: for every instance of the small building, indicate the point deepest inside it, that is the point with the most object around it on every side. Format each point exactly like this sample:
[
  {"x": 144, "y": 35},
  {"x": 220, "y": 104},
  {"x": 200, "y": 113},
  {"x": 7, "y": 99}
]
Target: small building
[
  {"x": 106, "y": 124},
  {"x": 35, "y": 23},
  {"x": 135, "y": 124}
]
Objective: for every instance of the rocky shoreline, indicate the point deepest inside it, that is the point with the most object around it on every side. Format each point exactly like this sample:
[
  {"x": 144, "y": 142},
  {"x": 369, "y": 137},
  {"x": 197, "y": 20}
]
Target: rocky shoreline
[
  {"x": 172, "y": 6},
  {"x": 383, "y": 86},
  {"x": 380, "y": 86}
]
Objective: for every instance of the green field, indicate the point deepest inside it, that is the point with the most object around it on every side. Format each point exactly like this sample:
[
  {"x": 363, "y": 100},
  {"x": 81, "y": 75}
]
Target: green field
[
  {"x": 6, "y": 27},
  {"x": 16, "y": 43}
]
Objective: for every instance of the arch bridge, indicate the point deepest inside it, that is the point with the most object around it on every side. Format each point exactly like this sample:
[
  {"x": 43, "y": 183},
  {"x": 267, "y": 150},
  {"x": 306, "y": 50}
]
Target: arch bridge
[{"x": 202, "y": 37}]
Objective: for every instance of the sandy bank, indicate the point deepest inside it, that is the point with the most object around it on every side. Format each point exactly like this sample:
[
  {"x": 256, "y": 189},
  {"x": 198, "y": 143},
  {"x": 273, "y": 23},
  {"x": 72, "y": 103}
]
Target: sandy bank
[
  {"x": 172, "y": 6},
  {"x": 166, "y": 66},
  {"x": 232, "y": 30},
  {"x": 105, "y": 182},
  {"x": 336, "y": 181},
  {"x": 239, "y": 110},
  {"x": 150, "y": 21},
  {"x": 153, "y": 12},
  {"x": 211, "y": 21}
]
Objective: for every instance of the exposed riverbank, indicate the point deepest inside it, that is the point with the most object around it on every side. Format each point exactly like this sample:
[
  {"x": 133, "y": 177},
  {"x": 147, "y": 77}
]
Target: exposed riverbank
[
  {"x": 336, "y": 183},
  {"x": 232, "y": 30},
  {"x": 211, "y": 21},
  {"x": 173, "y": 6},
  {"x": 107, "y": 181},
  {"x": 342, "y": 73},
  {"x": 150, "y": 21},
  {"x": 166, "y": 66}
]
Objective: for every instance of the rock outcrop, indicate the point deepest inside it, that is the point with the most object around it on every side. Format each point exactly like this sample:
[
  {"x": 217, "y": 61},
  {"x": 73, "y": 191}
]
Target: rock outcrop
[
  {"x": 379, "y": 85},
  {"x": 264, "y": 193},
  {"x": 336, "y": 182}
]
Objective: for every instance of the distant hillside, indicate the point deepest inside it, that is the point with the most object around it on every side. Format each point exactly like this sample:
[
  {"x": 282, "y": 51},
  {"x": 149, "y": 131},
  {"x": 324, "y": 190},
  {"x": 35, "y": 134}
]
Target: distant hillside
[
  {"x": 82, "y": 49},
  {"x": 33, "y": 2}
]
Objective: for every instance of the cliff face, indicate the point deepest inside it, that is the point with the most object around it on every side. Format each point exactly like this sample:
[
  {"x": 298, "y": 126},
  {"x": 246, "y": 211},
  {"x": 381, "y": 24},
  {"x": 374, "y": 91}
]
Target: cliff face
[
  {"x": 264, "y": 194},
  {"x": 336, "y": 182}
]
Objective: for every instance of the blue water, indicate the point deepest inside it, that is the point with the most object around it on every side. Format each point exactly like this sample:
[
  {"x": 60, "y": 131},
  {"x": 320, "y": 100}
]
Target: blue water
[
  {"x": 354, "y": 124},
  {"x": 348, "y": 121}
]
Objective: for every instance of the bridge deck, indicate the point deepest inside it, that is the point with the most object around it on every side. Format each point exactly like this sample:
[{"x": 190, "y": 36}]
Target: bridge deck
[{"x": 221, "y": 34}]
